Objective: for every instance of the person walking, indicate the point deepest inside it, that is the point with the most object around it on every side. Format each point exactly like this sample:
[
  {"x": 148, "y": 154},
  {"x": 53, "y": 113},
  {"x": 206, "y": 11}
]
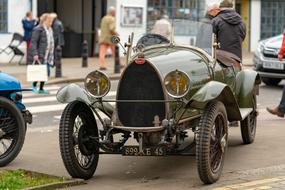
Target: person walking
[
  {"x": 29, "y": 23},
  {"x": 229, "y": 29},
  {"x": 280, "y": 109},
  {"x": 58, "y": 31},
  {"x": 42, "y": 48},
  {"x": 108, "y": 29},
  {"x": 162, "y": 27}
]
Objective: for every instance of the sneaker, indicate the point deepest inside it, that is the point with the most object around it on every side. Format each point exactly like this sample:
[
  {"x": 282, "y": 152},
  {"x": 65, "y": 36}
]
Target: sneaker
[
  {"x": 43, "y": 92},
  {"x": 34, "y": 89}
]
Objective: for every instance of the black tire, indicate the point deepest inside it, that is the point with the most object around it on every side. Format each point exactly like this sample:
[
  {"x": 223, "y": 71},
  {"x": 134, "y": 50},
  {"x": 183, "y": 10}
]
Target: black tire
[
  {"x": 78, "y": 151},
  {"x": 271, "y": 81},
  {"x": 13, "y": 125},
  {"x": 248, "y": 125},
  {"x": 211, "y": 142}
]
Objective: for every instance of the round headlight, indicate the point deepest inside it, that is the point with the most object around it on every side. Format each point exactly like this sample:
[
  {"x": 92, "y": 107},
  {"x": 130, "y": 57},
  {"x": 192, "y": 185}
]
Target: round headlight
[
  {"x": 177, "y": 84},
  {"x": 97, "y": 84}
]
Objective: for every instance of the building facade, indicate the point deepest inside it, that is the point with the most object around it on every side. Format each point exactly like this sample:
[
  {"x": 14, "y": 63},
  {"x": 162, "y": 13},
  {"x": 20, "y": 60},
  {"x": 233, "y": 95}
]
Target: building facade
[
  {"x": 81, "y": 19},
  {"x": 11, "y": 15}
]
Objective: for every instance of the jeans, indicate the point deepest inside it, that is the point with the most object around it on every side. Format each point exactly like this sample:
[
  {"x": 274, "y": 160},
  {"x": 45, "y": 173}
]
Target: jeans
[{"x": 281, "y": 106}]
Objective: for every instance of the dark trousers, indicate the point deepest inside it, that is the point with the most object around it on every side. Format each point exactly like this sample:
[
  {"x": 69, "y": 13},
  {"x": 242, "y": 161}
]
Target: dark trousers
[
  {"x": 41, "y": 85},
  {"x": 281, "y": 106}
]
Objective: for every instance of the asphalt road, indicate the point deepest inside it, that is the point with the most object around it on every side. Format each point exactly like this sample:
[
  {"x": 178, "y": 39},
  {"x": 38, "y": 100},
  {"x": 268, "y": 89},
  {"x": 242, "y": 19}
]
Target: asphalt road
[{"x": 264, "y": 158}]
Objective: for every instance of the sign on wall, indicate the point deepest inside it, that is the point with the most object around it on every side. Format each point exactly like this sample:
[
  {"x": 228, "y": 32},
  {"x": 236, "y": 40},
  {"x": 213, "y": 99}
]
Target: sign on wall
[{"x": 131, "y": 16}]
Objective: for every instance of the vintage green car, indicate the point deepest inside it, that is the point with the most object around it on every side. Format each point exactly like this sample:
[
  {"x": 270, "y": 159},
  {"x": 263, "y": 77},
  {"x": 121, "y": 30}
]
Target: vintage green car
[{"x": 168, "y": 95}]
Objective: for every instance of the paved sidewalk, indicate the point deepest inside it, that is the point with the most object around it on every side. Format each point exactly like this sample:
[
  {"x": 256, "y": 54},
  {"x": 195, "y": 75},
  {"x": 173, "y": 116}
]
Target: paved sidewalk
[{"x": 72, "y": 71}]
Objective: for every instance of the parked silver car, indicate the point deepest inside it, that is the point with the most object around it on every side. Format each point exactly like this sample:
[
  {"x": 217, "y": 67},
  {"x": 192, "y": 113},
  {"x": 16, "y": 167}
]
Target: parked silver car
[{"x": 266, "y": 62}]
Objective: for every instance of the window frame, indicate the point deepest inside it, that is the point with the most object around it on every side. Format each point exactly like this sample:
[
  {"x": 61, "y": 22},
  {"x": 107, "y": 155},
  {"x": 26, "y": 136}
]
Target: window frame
[{"x": 4, "y": 16}]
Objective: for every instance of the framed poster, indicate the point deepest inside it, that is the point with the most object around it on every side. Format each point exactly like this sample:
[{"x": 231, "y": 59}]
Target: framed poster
[{"x": 131, "y": 15}]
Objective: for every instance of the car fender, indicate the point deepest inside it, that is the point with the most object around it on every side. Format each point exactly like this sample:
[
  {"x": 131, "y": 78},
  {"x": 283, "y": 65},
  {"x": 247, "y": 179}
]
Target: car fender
[
  {"x": 215, "y": 90},
  {"x": 247, "y": 83},
  {"x": 74, "y": 92}
]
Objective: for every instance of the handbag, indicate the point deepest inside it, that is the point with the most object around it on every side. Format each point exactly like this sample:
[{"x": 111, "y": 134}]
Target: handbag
[{"x": 37, "y": 72}]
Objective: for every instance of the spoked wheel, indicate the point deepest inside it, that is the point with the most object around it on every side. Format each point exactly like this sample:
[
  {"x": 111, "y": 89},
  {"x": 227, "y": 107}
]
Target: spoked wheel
[
  {"x": 77, "y": 132},
  {"x": 248, "y": 125},
  {"x": 12, "y": 131},
  {"x": 211, "y": 142}
]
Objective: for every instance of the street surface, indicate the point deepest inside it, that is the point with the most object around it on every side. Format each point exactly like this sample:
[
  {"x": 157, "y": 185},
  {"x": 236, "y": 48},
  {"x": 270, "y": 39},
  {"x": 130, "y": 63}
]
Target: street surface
[{"x": 260, "y": 165}]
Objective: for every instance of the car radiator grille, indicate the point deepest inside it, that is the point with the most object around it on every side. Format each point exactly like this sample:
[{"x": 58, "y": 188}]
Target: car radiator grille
[{"x": 140, "y": 82}]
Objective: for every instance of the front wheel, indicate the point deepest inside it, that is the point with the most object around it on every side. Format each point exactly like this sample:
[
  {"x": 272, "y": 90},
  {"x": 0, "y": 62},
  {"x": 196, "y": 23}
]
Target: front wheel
[
  {"x": 77, "y": 132},
  {"x": 12, "y": 131},
  {"x": 211, "y": 142},
  {"x": 248, "y": 125}
]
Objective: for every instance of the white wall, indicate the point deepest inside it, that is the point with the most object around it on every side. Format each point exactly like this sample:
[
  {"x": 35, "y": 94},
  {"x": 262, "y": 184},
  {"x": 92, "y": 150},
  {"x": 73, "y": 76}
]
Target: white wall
[
  {"x": 255, "y": 24},
  {"x": 125, "y": 31},
  {"x": 16, "y": 12}
]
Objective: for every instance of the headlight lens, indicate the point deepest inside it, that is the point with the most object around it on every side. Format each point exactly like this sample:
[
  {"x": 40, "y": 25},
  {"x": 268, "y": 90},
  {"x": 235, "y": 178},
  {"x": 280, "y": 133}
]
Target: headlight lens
[
  {"x": 97, "y": 84},
  {"x": 177, "y": 84}
]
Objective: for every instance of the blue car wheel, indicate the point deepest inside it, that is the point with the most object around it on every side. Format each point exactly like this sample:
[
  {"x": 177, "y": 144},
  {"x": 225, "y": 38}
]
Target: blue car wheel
[{"x": 12, "y": 131}]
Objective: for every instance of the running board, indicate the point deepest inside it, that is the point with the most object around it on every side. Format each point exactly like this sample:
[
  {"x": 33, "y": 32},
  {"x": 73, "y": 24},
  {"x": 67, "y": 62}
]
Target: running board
[{"x": 244, "y": 112}]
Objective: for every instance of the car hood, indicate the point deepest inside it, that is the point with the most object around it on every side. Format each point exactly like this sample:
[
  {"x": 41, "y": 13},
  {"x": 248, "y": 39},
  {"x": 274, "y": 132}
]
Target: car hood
[
  {"x": 8, "y": 82},
  {"x": 274, "y": 42}
]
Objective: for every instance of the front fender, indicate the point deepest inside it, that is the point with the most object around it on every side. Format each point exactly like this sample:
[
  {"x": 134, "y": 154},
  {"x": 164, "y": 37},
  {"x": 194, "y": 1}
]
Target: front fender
[
  {"x": 247, "y": 80},
  {"x": 74, "y": 92},
  {"x": 214, "y": 90}
]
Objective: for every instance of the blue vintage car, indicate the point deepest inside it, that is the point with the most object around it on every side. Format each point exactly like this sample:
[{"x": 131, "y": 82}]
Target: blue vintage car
[{"x": 13, "y": 118}]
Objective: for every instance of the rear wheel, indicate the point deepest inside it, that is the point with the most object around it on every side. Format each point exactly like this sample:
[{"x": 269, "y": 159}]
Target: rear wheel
[
  {"x": 211, "y": 144},
  {"x": 271, "y": 81},
  {"x": 12, "y": 131},
  {"x": 248, "y": 125},
  {"x": 77, "y": 132}
]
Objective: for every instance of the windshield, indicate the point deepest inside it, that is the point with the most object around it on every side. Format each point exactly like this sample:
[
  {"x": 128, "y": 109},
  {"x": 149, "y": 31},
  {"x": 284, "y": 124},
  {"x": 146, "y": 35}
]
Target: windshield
[
  {"x": 189, "y": 32},
  {"x": 186, "y": 32}
]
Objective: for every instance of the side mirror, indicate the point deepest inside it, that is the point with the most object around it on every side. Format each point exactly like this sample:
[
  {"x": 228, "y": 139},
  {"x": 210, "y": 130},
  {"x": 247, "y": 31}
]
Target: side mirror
[{"x": 115, "y": 39}]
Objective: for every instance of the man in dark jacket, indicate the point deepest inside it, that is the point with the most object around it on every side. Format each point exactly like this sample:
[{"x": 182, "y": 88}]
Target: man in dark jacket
[
  {"x": 229, "y": 29},
  {"x": 58, "y": 30}
]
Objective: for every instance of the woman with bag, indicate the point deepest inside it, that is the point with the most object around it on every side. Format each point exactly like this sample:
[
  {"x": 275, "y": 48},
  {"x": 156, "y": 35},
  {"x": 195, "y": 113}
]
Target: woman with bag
[{"x": 42, "y": 48}]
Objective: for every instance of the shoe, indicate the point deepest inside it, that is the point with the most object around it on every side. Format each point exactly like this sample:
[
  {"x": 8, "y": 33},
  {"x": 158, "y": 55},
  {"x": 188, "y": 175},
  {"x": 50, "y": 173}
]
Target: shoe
[
  {"x": 34, "y": 89},
  {"x": 43, "y": 92},
  {"x": 275, "y": 111},
  {"x": 102, "y": 68}
]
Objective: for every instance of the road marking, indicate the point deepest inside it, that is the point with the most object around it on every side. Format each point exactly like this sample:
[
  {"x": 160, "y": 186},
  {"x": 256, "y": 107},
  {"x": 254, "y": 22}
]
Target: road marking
[
  {"x": 50, "y": 108},
  {"x": 32, "y": 94},
  {"x": 40, "y": 99},
  {"x": 251, "y": 184}
]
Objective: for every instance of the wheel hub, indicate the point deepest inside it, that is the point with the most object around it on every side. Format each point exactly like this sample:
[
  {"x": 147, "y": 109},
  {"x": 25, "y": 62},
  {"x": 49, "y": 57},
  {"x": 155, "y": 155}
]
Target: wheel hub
[{"x": 84, "y": 142}]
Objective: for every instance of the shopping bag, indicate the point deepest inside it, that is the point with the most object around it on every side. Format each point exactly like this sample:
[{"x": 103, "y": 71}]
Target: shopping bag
[{"x": 37, "y": 72}]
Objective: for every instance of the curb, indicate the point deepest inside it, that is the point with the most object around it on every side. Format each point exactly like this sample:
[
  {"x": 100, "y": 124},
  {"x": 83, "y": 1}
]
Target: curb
[
  {"x": 58, "y": 185},
  {"x": 74, "y": 80}
]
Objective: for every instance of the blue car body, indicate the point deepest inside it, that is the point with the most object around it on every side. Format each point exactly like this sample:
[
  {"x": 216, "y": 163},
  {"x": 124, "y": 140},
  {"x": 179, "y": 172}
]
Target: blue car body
[{"x": 10, "y": 88}]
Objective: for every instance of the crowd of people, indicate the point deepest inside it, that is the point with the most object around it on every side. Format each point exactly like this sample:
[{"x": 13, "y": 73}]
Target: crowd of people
[{"x": 42, "y": 36}]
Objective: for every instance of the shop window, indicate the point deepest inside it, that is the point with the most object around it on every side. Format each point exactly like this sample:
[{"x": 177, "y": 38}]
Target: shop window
[
  {"x": 3, "y": 15},
  {"x": 272, "y": 18}
]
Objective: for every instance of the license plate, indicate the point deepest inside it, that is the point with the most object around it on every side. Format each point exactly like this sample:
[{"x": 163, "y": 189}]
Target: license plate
[
  {"x": 278, "y": 66},
  {"x": 149, "y": 151}
]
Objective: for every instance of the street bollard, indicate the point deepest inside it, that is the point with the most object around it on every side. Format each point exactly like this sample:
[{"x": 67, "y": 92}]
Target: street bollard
[
  {"x": 117, "y": 60},
  {"x": 58, "y": 71},
  {"x": 85, "y": 54}
]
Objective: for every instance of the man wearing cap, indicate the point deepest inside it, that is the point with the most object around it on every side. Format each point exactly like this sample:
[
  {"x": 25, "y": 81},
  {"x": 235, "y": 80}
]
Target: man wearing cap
[{"x": 230, "y": 30}]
